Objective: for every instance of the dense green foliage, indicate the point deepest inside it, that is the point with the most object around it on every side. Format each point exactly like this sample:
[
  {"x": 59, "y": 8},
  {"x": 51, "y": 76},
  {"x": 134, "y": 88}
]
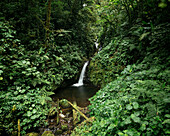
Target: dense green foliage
[
  {"x": 136, "y": 103},
  {"x": 131, "y": 49},
  {"x": 132, "y": 69},
  {"x": 69, "y": 23},
  {"x": 125, "y": 42},
  {"x": 24, "y": 89},
  {"x": 44, "y": 43},
  {"x": 37, "y": 58}
]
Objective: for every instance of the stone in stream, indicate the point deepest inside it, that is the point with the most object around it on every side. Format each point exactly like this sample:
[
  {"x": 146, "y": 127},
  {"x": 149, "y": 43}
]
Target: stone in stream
[{"x": 62, "y": 115}]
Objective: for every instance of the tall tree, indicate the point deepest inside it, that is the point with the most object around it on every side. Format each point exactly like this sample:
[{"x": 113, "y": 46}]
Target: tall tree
[{"x": 48, "y": 16}]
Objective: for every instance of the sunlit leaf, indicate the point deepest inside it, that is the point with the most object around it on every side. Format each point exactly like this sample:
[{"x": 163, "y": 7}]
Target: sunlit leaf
[
  {"x": 129, "y": 107},
  {"x": 135, "y": 105}
]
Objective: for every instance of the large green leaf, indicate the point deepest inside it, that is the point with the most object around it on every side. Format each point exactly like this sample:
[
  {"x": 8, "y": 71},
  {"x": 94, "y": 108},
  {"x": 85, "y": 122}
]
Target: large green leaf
[{"x": 129, "y": 107}]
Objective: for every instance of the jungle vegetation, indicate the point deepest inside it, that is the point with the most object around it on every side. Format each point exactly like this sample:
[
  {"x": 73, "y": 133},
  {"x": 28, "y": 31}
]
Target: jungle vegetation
[{"x": 44, "y": 43}]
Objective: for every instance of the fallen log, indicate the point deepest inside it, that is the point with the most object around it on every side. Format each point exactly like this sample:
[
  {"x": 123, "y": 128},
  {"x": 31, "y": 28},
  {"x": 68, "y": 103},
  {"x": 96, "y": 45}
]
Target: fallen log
[
  {"x": 58, "y": 119},
  {"x": 82, "y": 114}
]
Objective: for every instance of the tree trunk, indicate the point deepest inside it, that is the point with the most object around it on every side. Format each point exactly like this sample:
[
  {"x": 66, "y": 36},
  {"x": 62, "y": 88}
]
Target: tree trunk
[
  {"x": 58, "y": 120},
  {"x": 48, "y": 22},
  {"x": 78, "y": 111}
]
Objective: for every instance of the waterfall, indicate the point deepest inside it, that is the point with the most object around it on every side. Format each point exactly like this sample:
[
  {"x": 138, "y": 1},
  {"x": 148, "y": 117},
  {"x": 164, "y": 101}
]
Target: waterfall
[
  {"x": 97, "y": 46},
  {"x": 80, "y": 82}
]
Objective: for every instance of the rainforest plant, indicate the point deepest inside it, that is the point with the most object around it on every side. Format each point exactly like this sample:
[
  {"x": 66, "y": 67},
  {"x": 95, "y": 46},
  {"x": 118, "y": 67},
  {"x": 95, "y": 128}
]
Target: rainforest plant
[
  {"x": 28, "y": 78},
  {"x": 20, "y": 97},
  {"x": 132, "y": 69},
  {"x": 39, "y": 55},
  {"x": 136, "y": 103}
]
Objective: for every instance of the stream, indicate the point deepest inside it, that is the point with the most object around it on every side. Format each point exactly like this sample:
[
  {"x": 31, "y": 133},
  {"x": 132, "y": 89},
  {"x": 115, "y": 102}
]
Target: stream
[{"x": 79, "y": 94}]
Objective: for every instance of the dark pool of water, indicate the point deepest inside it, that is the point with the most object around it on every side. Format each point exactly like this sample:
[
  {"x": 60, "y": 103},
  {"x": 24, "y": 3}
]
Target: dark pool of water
[{"x": 79, "y": 94}]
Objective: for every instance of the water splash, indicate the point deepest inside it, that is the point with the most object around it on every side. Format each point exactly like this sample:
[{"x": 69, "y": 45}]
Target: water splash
[
  {"x": 98, "y": 48},
  {"x": 80, "y": 82}
]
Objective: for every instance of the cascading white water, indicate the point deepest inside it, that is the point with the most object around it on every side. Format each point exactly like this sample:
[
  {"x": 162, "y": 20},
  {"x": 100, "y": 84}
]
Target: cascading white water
[
  {"x": 97, "y": 46},
  {"x": 80, "y": 82}
]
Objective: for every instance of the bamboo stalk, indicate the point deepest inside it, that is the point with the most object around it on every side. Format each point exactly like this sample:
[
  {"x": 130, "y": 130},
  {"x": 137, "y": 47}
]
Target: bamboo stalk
[
  {"x": 82, "y": 114},
  {"x": 19, "y": 127},
  {"x": 48, "y": 22},
  {"x": 58, "y": 120},
  {"x": 74, "y": 113}
]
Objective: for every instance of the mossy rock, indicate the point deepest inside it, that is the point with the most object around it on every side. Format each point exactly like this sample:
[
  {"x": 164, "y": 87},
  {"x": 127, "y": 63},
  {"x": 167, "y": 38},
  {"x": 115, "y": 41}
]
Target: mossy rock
[
  {"x": 59, "y": 131},
  {"x": 64, "y": 127},
  {"x": 64, "y": 103},
  {"x": 47, "y": 133},
  {"x": 32, "y": 134}
]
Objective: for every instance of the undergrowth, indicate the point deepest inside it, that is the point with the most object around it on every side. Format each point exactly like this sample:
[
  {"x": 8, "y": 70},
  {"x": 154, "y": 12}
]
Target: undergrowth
[
  {"x": 133, "y": 71},
  {"x": 135, "y": 104},
  {"x": 27, "y": 79}
]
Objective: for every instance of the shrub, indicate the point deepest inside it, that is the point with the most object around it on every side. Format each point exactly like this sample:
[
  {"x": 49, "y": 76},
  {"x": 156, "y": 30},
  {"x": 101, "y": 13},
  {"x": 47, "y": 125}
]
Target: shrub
[
  {"x": 21, "y": 97},
  {"x": 136, "y": 103},
  {"x": 28, "y": 77}
]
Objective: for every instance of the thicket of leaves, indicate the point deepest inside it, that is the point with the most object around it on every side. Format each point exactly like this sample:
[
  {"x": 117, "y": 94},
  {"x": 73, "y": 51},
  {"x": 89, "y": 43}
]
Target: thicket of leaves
[
  {"x": 125, "y": 43},
  {"x": 37, "y": 58},
  {"x": 20, "y": 96},
  {"x": 136, "y": 101},
  {"x": 69, "y": 23},
  {"x": 133, "y": 70},
  {"x": 135, "y": 104},
  {"x": 140, "y": 41}
]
